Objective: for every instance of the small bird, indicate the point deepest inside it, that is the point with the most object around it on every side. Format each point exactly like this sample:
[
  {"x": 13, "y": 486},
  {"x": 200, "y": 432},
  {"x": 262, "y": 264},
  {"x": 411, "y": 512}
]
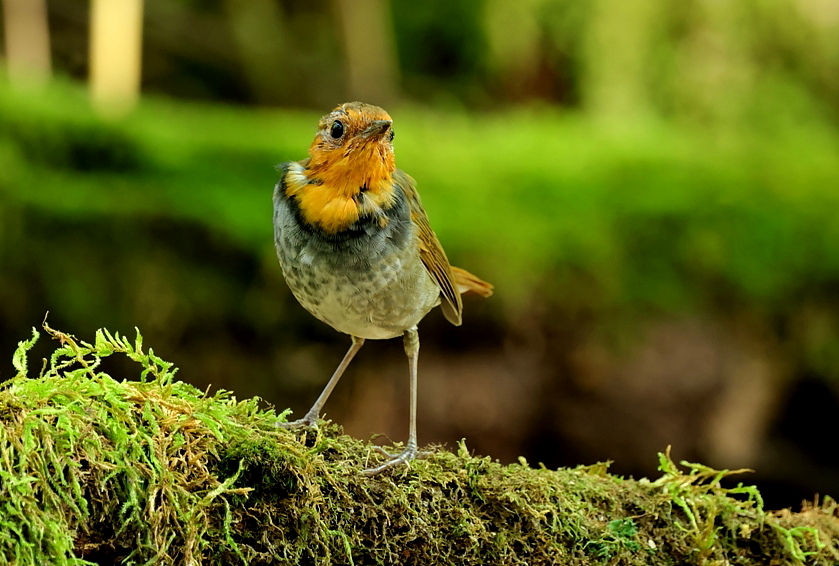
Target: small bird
[{"x": 356, "y": 248}]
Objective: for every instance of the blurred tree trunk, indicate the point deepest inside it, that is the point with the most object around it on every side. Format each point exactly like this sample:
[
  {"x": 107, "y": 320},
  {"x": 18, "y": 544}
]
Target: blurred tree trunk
[
  {"x": 619, "y": 56},
  {"x": 27, "y": 42},
  {"x": 514, "y": 35},
  {"x": 372, "y": 71},
  {"x": 715, "y": 73},
  {"x": 259, "y": 30},
  {"x": 116, "y": 37}
]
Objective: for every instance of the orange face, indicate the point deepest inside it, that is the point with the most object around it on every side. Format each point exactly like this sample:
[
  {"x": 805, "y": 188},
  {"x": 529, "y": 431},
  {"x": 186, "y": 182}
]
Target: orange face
[{"x": 350, "y": 169}]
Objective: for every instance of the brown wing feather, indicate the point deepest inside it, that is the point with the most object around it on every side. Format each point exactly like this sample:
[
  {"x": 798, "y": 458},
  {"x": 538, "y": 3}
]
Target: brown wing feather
[{"x": 431, "y": 252}]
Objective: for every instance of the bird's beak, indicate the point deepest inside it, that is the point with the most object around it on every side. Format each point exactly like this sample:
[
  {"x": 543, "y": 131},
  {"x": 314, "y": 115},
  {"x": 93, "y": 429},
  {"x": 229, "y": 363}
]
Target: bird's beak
[{"x": 377, "y": 129}]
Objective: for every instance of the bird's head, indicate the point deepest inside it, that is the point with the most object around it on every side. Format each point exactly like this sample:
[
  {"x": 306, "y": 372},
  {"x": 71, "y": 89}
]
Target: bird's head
[{"x": 350, "y": 167}]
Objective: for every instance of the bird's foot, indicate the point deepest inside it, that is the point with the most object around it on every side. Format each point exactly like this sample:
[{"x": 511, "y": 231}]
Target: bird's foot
[
  {"x": 394, "y": 460},
  {"x": 309, "y": 422}
]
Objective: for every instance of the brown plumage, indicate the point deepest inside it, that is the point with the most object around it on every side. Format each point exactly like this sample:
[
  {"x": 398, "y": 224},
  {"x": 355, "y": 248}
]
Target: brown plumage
[{"x": 356, "y": 247}]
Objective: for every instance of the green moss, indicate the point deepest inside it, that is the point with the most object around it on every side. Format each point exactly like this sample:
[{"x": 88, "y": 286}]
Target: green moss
[{"x": 154, "y": 471}]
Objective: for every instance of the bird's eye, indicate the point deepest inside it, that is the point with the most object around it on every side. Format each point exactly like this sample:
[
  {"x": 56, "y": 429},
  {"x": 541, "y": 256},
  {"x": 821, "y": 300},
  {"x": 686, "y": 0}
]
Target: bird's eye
[
  {"x": 392, "y": 134},
  {"x": 337, "y": 129}
]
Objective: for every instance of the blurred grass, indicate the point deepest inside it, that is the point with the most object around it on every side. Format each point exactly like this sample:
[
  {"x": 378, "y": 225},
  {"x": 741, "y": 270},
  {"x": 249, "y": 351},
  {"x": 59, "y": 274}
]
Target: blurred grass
[
  {"x": 636, "y": 215},
  {"x": 538, "y": 188}
]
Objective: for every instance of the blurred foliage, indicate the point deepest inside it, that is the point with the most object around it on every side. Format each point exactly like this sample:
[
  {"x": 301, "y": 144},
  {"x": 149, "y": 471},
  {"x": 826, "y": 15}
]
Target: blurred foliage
[
  {"x": 699, "y": 60},
  {"x": 641, "y": 218},
  {"x": 442, "y": 51}
]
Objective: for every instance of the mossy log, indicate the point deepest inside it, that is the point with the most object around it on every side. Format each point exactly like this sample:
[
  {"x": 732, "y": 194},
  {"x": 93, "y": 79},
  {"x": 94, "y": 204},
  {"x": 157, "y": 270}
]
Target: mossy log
[{"x": 150, "y": 470}]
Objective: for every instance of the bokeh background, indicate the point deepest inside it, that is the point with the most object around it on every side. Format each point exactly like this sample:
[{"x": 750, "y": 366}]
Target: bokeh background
[{"x": 652, "y": 186}]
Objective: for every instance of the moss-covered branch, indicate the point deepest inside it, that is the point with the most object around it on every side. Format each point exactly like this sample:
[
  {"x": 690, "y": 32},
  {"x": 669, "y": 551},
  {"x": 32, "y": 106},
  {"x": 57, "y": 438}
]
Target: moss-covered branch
[{"x": 153, "y": 471}]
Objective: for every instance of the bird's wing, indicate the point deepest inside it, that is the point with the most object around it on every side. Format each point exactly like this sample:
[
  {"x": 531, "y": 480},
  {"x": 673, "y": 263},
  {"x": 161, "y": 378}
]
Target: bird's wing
[{"x": 431, "y": 252}]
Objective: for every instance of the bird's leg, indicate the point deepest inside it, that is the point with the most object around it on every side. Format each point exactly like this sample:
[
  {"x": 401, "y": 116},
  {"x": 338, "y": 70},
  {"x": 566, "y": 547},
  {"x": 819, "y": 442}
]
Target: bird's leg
[
  {"x": 311, "y": 418},
  {"x": 411, "y": 339}
]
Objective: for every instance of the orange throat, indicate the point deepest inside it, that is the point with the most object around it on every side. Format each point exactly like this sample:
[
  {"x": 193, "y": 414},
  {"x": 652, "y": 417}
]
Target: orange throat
[{"x": 334, "y": 189}]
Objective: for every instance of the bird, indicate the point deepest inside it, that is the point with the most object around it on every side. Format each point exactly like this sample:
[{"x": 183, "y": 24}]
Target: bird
[{"x": 357, "y": 251}]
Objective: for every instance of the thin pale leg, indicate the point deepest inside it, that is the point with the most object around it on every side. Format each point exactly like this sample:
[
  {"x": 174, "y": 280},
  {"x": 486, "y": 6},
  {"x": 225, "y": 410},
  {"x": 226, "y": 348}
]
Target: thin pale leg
[
  {"x": 411, "y": 339},
  {"x": 311, "y": 418}
]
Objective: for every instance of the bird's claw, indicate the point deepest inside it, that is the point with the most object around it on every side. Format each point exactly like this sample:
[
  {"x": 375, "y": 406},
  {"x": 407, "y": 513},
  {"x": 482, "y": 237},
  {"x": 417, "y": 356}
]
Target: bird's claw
[
  {"x": 384, "y": 452},
  {"x": 394, "y": 460},
  {"x": 306, "y": 422}
]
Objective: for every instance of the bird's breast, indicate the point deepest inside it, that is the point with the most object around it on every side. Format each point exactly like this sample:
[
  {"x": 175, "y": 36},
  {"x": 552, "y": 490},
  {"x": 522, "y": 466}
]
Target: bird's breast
[{"x": 368, "y": 281}]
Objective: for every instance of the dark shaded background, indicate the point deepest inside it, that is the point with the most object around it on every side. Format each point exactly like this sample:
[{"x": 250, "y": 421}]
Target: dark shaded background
[{"x": 652, "y": 187}]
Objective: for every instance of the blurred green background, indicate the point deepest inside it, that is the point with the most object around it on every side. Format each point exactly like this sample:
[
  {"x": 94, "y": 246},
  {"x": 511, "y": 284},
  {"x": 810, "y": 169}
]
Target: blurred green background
[{"x": 652, "y": 186}]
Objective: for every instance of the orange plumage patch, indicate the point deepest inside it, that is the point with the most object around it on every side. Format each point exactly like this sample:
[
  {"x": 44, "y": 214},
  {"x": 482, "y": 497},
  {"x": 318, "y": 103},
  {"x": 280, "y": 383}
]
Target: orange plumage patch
[{"x": 340, "y": 168}]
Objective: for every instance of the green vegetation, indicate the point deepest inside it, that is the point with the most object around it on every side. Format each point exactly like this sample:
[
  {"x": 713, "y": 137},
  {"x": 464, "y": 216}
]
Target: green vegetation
[
  {"x": 649, "y": 212},
  {"x": 153, "y": 471},
  {"x": 617, "y": 217},
  {"x": 604, "y": 164}
]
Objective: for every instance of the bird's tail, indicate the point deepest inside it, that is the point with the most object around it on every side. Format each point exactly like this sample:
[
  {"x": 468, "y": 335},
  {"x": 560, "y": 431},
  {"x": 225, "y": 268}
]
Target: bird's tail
[{"x": 468, "y": 283}]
